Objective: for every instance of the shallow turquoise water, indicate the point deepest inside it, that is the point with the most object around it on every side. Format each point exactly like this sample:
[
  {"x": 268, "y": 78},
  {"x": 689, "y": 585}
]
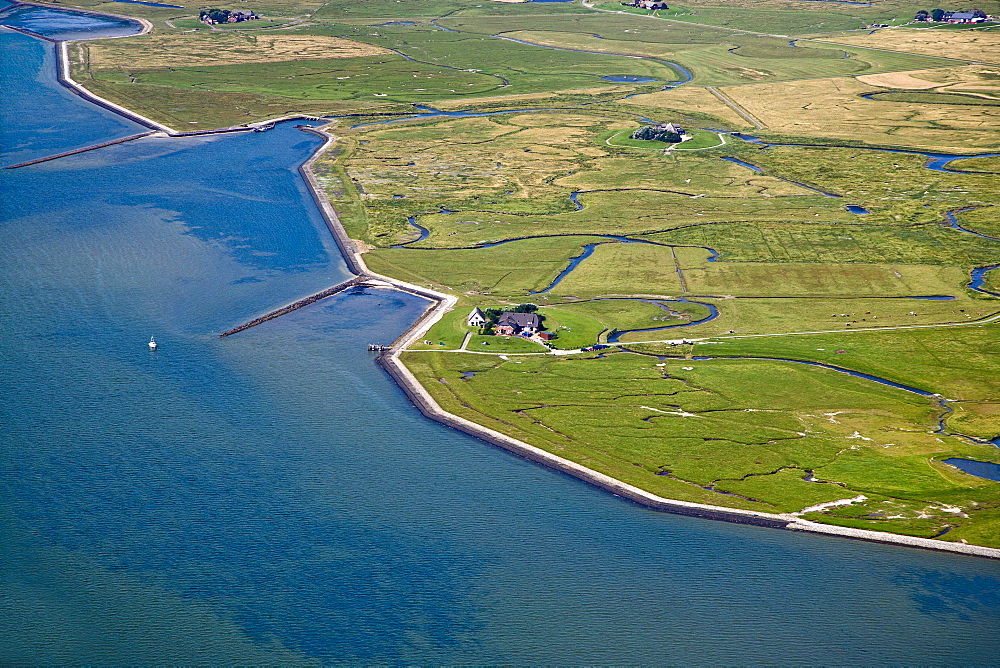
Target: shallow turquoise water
[{"x": 272, "y": 496}]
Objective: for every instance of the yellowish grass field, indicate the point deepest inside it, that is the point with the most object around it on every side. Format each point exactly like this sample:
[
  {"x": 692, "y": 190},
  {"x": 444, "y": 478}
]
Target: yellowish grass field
[
  {"x": 641, "y": 269},
  {"x": 752, "y": 278},
  {"x": 832, "y": 108},
  {"x": 221, "y": 48},
  {"x": 974, "y": 80},
  {"x": 689, "y": 97},
  {"x": 978, "y": 46}
]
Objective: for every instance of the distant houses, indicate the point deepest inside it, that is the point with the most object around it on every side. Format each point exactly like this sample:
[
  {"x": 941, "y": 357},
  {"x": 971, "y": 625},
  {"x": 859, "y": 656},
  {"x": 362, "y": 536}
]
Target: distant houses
[
  {"x": 646, "y": 4},
  {"x": 215, "y": 16},
  {"x": 941, "y": 16}
]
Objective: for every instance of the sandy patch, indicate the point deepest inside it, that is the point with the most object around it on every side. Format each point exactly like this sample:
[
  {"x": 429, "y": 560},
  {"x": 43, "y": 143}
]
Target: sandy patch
[
  {"x": 897, "y": 80},
  {"x": 196, "y": 50},
  {"x": 689, "y": 97}
]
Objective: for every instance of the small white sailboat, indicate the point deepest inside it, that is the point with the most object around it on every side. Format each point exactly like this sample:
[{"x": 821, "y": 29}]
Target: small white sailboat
[{"x": 152, "y": 343}]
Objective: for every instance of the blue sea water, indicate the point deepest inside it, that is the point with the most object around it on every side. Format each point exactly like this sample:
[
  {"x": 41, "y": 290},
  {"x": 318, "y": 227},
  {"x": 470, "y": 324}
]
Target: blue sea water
[
  {"x": 28, "y": 78},
  {"x": 272, "y": 497}
]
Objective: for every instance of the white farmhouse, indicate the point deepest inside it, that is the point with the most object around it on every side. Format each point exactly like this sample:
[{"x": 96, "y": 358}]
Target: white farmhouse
[{"x": 477, "y": 318}]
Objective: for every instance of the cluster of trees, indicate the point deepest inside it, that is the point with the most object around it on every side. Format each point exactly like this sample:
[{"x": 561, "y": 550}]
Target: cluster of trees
[
  {"x": 216, "y": 15},
  {"x": 649, "y": 132}
]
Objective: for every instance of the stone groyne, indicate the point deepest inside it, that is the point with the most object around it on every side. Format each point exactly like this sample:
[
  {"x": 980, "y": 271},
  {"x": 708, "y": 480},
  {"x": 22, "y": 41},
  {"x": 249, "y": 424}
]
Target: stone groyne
[
  {"x": 81, "y": 150},
  {"x": 296, "y": 305},
  {"x": 29, "y": 33}
]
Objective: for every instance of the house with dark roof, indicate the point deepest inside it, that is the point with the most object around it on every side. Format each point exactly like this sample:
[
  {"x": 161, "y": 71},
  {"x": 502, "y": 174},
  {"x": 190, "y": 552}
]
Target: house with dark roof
[{"x": 520, "y": 324}]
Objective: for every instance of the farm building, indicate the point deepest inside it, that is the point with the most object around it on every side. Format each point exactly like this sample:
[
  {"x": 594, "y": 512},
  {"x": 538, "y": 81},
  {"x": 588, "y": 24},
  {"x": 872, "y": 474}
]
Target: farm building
[{"x": 522, "y": 324}]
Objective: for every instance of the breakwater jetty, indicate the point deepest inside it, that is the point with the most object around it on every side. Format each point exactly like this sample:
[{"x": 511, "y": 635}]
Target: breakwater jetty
[
  {"x": 81, "y": 150},
  {"x": 29, "y": 33},
  {"x": 296, "y": 305}
]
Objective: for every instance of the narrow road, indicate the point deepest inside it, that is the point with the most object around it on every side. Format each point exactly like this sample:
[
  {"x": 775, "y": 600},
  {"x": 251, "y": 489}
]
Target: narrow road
[{"x": 735, "y": 107}]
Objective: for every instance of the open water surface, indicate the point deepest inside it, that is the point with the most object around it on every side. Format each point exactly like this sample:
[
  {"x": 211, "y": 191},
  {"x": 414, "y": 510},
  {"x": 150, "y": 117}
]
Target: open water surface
[
  {"x": 65, "y": 24},
  {"x": 987, "y": 470},
  {"x": 272, "y": 497}
]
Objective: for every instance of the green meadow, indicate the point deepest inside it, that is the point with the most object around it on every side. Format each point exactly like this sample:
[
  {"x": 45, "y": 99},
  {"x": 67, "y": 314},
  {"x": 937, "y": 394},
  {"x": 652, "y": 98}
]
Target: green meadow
[{"x": 727, "y": 432}]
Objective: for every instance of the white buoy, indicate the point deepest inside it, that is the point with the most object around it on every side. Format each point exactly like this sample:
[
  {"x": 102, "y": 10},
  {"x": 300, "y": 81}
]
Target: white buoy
[{"x": 152, "y": 343}]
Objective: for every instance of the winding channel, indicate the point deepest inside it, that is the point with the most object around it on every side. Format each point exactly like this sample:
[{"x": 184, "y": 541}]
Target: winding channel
[
  {"x": 942, "y": 402},
  {"x": 937, "y": 162},
  {"x": 977, "y": 277}
]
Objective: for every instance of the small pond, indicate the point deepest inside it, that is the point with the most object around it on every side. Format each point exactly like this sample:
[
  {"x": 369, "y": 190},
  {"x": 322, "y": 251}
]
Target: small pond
[
  {"x": 987, "y": 470},
  {"x": 853, "y": 208}
]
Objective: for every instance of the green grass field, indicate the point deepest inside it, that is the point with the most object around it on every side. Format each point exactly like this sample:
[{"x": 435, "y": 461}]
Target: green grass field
[{"x": 701, "y": 430}]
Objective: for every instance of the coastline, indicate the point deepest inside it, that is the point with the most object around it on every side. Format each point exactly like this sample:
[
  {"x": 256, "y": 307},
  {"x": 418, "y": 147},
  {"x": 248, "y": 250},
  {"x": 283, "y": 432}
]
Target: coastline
[
  {"x": 429, "y": 408},
  {"x": 442, "y": 303}
]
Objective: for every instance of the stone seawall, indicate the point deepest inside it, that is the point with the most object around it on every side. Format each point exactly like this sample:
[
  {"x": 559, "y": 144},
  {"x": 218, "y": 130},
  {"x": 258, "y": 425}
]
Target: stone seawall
[
  {"x": 426, "y": 404},
  {"x": 347, "y": 249}
]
